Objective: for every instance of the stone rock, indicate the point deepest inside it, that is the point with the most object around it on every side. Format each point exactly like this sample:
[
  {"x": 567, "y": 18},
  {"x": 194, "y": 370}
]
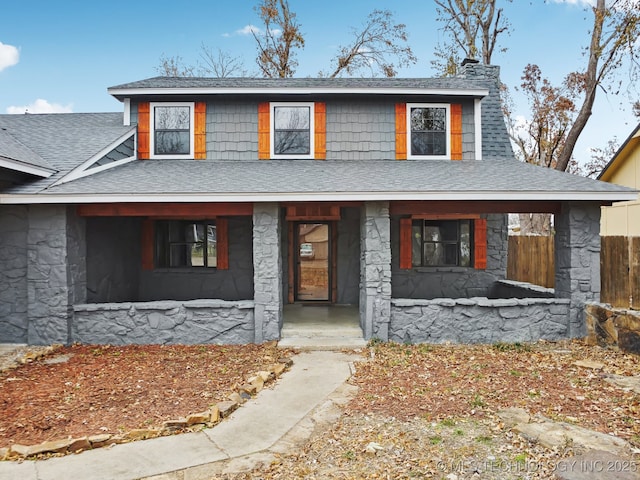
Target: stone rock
[
  {"x": 4, "y": 453},
  {"x": 237, "y": 398},
  {"x": 79, "y": 444},
  {"x": 175, "y": 424},
  {"x": 513, "y": 416},
  {"x": 244, "y": 395},
  {"x": 197, "y": 418},
  {"x": 624, "y": 382},
  {"x": 599, "y": 465},
  {"x": 286, "y": 361},
  {"x": 54, "y": 446},
  {"x": 143, "y": 433},
  {"x": 257, "y": 382},
  {"x": 98, "y": 441},
  {"x": 214, "y": 414},
  {"x": 226, "y": 408},
  {"x": 21, "y": 450},
  {"x": 589, "y": 364},
  {"x": 266, "y": 376},
  {"x": 277, "y": 369},
  {"x": 248, "y": 388}
]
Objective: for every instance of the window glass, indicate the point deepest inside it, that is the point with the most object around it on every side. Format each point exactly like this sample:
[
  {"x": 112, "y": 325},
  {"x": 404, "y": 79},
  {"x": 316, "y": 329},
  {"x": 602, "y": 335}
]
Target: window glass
[
  {"x": 441, "y": 243},
  {"x": 172, "y": 130},
  {"x": 292, "y": 130},
  {"x": 428, "y": 131},
  {"x": 182, "y": 244}
]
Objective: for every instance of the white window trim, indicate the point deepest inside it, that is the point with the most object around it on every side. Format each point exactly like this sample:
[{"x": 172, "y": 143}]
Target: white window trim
[
  {"x": 447, "y": 107},
  {"x": 272, "y": 129},
  {"x": 152, "y": 129}
]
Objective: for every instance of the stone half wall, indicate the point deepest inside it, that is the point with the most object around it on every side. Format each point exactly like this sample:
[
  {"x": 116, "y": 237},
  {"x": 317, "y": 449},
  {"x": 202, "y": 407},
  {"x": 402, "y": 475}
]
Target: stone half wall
[
  {"x": 478, "y": 320},
  {"x": 164, "y": 322}
]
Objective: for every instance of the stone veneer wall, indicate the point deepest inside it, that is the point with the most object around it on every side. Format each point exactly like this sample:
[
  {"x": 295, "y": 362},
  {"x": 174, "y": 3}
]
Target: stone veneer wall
[
  {"x": 56, "y": 272},
  {"x": 164, "y": 322},
  {"x": 14, "y": 222},
  {"x": 267, "y": 274},
  {"x": 375, "y": 270},
  {"x": 577, "y": 256},
  {"x": 478, "y": 320}
]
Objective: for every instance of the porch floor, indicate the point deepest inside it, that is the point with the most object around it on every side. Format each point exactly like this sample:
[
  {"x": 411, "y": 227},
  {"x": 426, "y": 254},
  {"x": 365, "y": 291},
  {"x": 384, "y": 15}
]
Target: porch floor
[{"x": 321, "y": 327}]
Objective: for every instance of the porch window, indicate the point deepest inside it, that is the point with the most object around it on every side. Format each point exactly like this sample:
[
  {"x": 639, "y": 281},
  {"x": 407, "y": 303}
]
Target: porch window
[
  {"x": 172, "y": 130},
  {"x": 441, "y": 243},
  {"x": 186, "y": 244},
  {"x": 292, "y": 130}
]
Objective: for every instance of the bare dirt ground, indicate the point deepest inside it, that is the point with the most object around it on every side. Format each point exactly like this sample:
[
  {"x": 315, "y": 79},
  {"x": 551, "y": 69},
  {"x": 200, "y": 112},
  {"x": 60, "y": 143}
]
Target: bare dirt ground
[{"x": 420, "y": 412}]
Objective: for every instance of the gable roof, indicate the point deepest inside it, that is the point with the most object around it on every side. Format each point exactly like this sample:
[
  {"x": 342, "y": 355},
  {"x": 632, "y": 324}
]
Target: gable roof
[
  {"x": 621, "y": 155},
  {"x": 313, "y": 180},
  {"x": 58, "y": 142}
]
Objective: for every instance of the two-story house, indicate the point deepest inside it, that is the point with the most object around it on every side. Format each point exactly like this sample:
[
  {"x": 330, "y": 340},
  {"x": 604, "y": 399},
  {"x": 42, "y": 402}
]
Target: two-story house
[{"x": 210, "y": 205}]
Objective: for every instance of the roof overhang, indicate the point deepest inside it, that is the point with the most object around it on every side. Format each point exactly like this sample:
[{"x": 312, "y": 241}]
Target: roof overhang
[
  {"x": 22, "y": 167},
  {"x": 122, "y": 93},
  {"x": 263, "y": 197}
]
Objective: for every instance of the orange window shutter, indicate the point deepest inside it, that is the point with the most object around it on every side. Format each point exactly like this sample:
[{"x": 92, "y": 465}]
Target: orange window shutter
[
  {"x": 222, "y": 243},
  {"x": 405, "y": 243},
  {"x": 200, "y": 131},
  {"x": 456, "y": 131},
  {"x": 148, "y": 241},
  {"x": 144, "y": 126},
  {"x": 320, "y": 121},
  {"x": 480, "y": 243},
  {"x": 264, "y": 150},
  {"x": 401, "y": 131}
]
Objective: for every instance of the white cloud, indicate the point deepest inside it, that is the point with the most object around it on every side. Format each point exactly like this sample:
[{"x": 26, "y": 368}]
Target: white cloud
[
  {"x": 41, "y": 106},
  {"x": 9, "y": 56},
  {"x": 245, "y": 31}
]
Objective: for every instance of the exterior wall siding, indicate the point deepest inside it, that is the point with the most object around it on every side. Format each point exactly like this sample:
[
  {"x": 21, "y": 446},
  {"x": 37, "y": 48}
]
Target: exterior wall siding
[
  {"x": 232, "y": 130},
  {"x": 14, "y": 225}
]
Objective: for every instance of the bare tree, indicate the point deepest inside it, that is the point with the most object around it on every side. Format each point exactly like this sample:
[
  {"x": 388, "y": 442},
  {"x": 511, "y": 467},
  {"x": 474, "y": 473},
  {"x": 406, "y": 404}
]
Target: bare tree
[
  {"x": 381, "y": 44},
  {"x": 464, "y": 21},
  {"x": 174, "y": 67},
  {"x": 220, "y": 64},
  {"x": 614, "y": 38},
  {"x": 282, "y": 35}
]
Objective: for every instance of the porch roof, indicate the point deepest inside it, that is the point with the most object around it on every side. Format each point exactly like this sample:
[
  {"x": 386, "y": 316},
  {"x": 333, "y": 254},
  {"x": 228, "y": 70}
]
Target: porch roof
[{"x": 312, "y": 180}]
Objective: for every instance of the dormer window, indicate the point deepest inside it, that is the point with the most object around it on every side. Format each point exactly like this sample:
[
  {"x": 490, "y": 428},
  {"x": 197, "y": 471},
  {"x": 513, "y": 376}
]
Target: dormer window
[
  {"x": 172, "y": 130},
  {"x": 291, "y": 132},
  {"x": 429, "y": 131}
]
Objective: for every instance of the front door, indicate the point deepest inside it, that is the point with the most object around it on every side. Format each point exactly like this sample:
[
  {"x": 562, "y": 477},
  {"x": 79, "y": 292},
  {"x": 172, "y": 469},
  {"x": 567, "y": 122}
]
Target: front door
[{"x": 312, "y": 258}]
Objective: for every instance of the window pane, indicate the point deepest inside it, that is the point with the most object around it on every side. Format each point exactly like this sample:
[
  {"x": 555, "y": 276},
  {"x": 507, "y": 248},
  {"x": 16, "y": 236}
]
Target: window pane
[
  {"x": 292, "y": 118},
  {"x": 172, "y": 118},
  {"x": 451, "y": 254},
  {"x": 428, "y": 131},
  {"x": 428, "y": 143},
  {"x": 212, "y": 251},
  {"x": 291, "y": 142},
  {"x": 433, "y": 254},
  {"x": 170, "y": 142},
  {"x": 197, "y": 255},
  {"x": 465, "y": 244},
  {"x": 428, "y": 119},
  {"x": 416, "y": 244}
]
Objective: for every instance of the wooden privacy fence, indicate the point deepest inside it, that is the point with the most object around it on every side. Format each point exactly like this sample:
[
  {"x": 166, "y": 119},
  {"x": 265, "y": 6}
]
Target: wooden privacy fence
[
  {"x": 531, "y": 259},
  {"x": 620, "y": 272}
]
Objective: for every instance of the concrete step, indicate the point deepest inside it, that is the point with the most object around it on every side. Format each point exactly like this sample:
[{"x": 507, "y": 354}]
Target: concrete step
[
  {"x": 322, "y": 343},
  {"x": 342, "y": 332}
]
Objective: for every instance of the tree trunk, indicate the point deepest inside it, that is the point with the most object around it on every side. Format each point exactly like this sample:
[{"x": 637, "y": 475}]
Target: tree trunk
[{"x": 535, "y": 224}]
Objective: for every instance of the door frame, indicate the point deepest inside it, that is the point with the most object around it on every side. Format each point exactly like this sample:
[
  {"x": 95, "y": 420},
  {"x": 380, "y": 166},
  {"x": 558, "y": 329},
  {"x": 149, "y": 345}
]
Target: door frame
[{"x": 294, "y": 259}]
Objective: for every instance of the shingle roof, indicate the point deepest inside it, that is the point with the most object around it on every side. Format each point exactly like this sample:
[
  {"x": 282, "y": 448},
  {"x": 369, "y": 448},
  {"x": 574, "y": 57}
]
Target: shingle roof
[
  {"x": 62, "y": 140},
  {"x": 13, "y": 149},
  {"x": 496, "y": 179}
]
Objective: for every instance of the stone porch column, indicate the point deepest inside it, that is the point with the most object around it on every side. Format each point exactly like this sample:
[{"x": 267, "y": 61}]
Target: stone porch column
[
  {"x": 375, "y": 270},
  {"x": 577, "y": 256},
  {"x": 267, "y": 271},
  {"x": 56, "y": 272}
]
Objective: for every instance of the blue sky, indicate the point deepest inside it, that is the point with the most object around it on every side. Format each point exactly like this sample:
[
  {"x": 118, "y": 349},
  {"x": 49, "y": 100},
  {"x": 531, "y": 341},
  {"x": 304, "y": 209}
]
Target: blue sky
[{"x": 63, "y": 55}]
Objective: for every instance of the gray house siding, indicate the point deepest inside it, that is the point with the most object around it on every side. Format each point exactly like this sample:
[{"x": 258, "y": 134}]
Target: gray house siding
[
  {"x": 232, "y": 130},
  {"x": 429, "y": 283}
]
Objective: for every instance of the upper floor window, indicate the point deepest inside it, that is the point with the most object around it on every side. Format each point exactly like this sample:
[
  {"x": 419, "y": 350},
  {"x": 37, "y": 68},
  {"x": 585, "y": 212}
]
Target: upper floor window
[
  {"x": 172, "y": 130},
  {"x": 429, "y": 131},
  {"x": 292, "y": 130}
]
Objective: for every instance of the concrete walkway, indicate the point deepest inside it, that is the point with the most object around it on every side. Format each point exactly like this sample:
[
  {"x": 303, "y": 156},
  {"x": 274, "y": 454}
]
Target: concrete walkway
[{"x": 272, "y": 422}]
